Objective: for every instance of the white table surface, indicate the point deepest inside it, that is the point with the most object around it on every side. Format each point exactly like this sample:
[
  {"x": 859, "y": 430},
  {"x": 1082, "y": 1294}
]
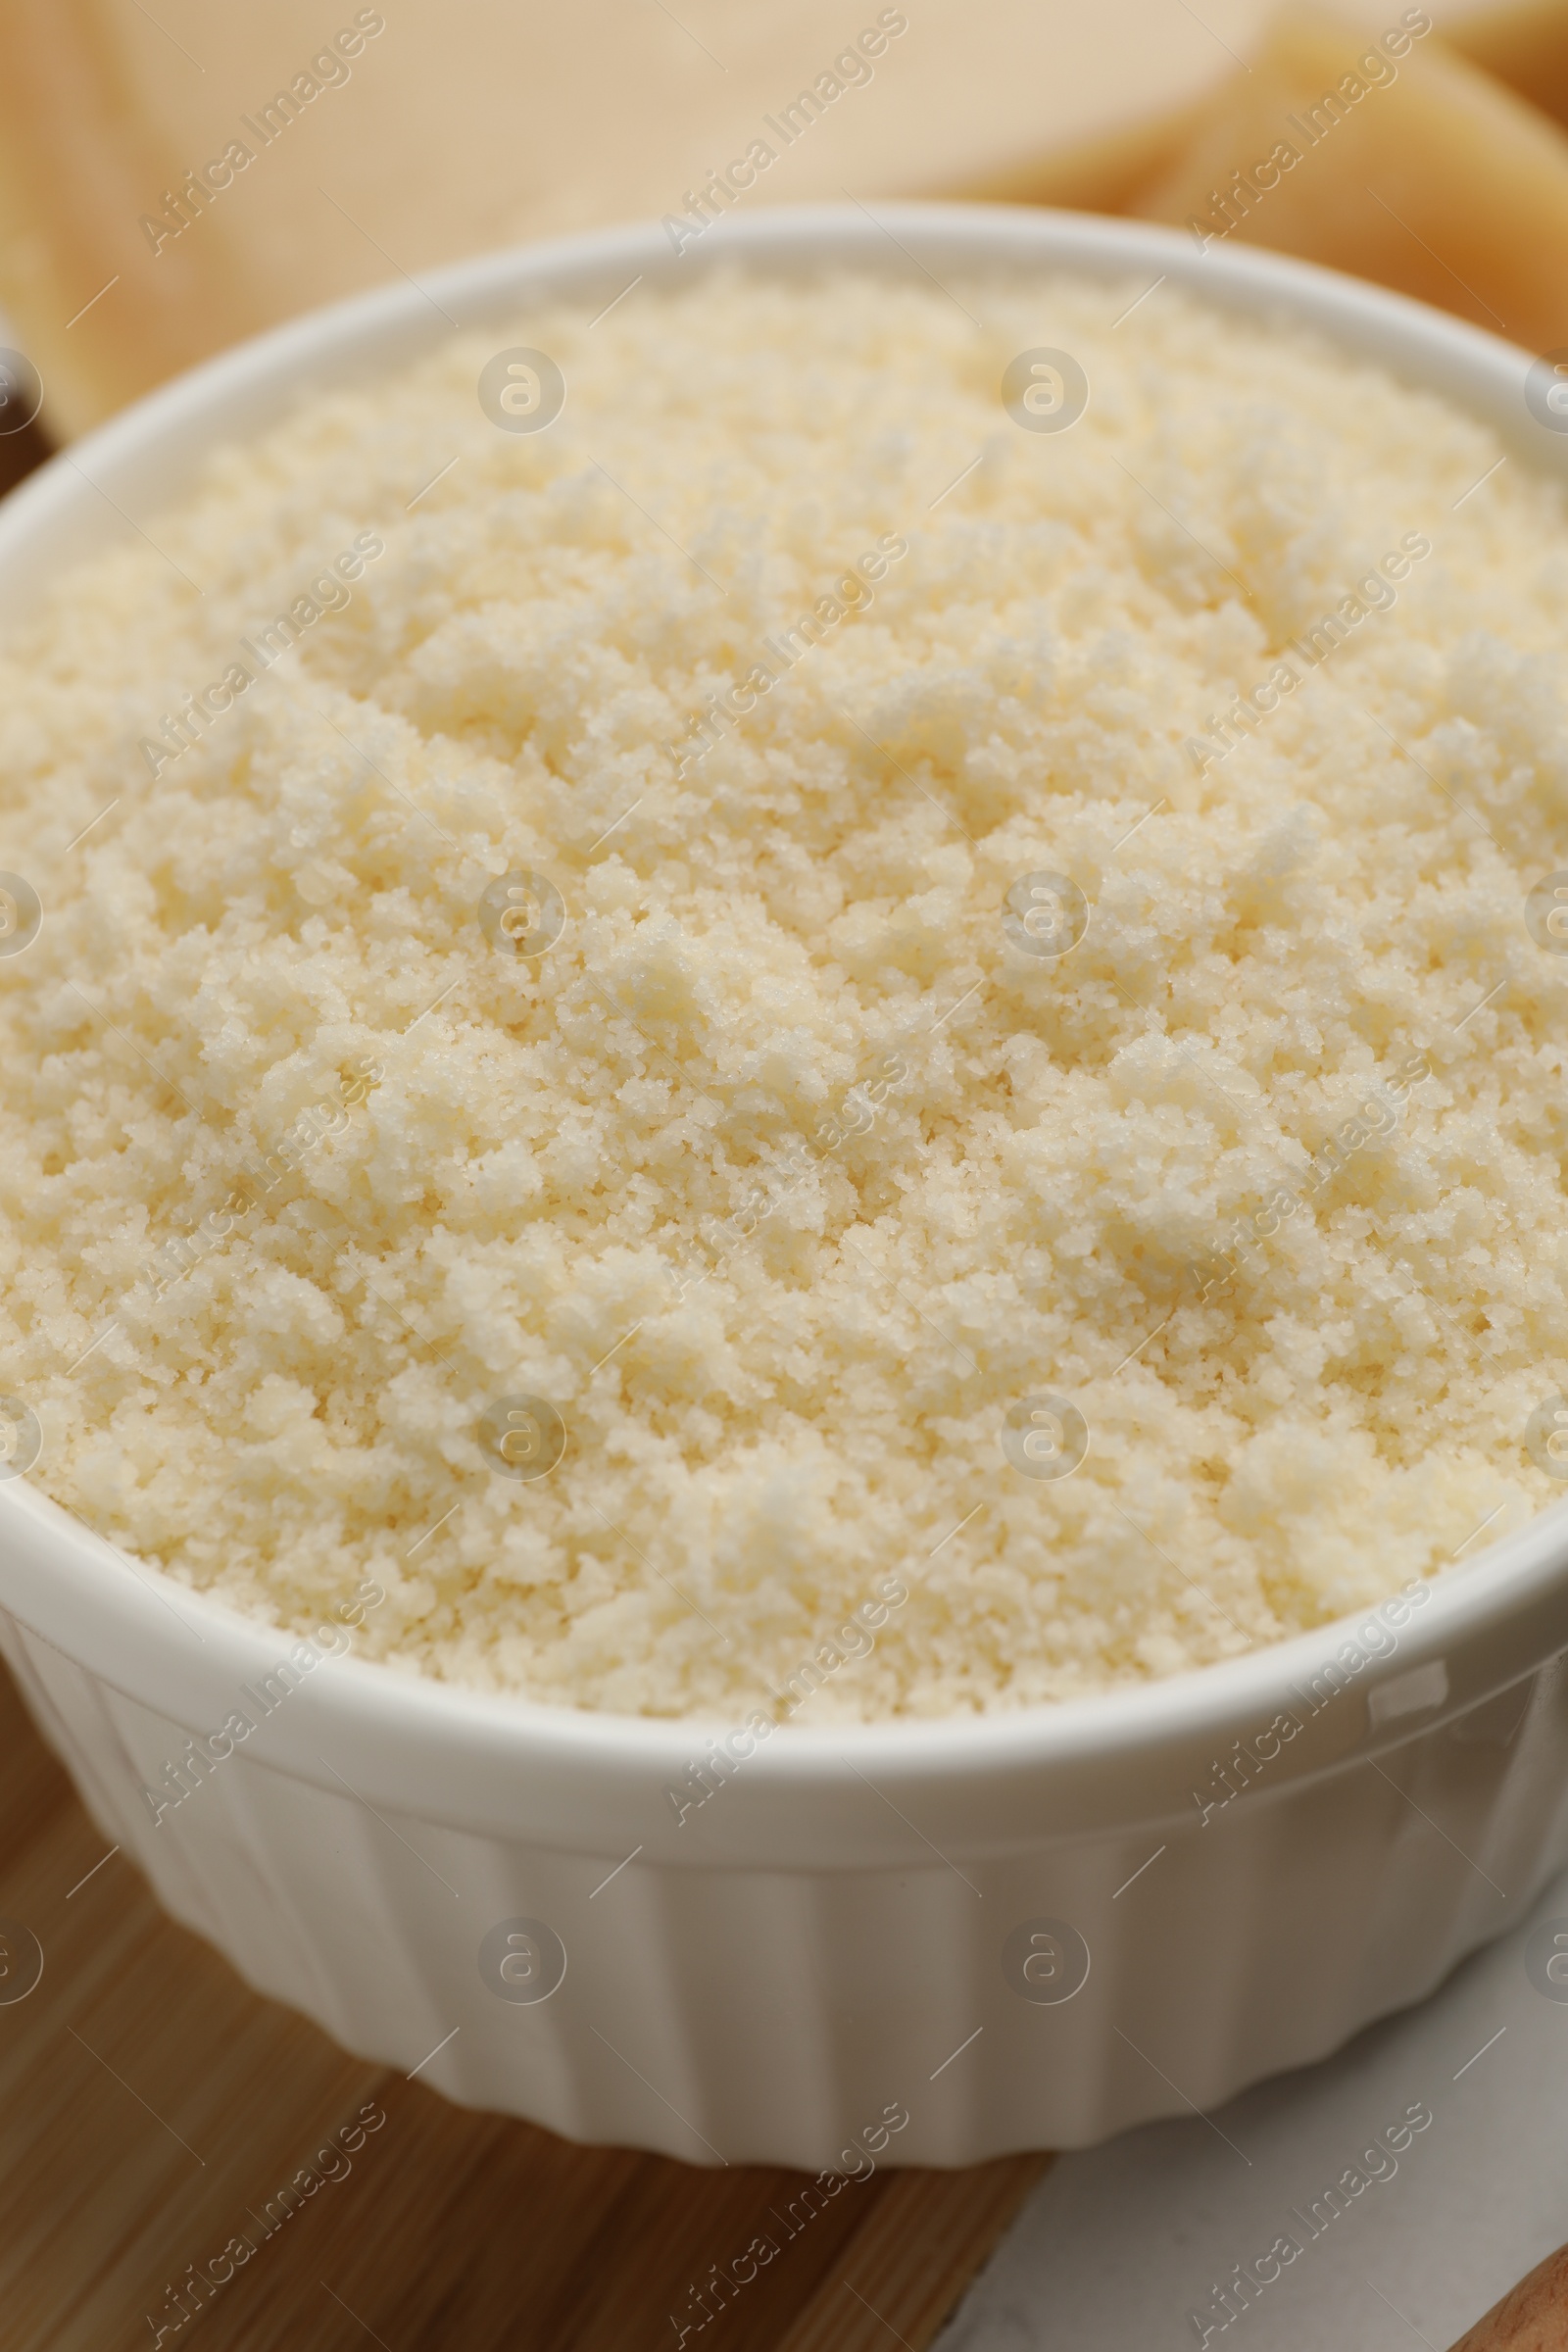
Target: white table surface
[{"x": 1120, "y": 2243}]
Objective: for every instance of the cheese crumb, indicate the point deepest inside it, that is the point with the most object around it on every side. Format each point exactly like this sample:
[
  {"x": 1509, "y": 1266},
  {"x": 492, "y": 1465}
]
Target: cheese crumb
[{"x": 754, "y": 935}]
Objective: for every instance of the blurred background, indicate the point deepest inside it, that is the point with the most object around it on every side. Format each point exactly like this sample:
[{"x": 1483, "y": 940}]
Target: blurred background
[{"x": 177, "y": 174}]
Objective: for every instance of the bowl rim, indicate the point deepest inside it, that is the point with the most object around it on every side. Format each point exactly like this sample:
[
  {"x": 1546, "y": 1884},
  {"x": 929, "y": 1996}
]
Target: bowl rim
[{"x": 70, "y": 1587}]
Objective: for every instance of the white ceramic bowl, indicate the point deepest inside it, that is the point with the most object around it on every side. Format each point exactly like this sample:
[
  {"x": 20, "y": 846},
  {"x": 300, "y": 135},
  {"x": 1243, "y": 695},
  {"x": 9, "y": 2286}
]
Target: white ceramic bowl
[{"x": 868, "y": 1923}]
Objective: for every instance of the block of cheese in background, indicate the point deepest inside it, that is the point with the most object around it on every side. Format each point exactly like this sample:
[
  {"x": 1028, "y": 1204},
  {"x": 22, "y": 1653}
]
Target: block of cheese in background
[
  {"x": 465, "y": 125},
  {"x": 1417, "y": 170},
  {"x": 1525, "y": 45}
]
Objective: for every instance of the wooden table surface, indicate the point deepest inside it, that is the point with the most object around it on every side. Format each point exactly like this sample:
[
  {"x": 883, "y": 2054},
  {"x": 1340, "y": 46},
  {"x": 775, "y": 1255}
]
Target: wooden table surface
[{"x": 149, "y": 2104}]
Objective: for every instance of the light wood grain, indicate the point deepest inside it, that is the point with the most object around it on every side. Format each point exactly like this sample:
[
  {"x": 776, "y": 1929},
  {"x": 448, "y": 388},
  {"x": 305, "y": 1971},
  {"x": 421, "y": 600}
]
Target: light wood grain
[
  {"x": 1531, "y": 2317},
  {"x": 150, "y": 2106}
]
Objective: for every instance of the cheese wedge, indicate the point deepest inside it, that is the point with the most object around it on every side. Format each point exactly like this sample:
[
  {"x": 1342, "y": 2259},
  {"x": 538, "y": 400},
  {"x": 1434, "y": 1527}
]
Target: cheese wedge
[
  {"x": 1526, "y": 46},
  {"x": 1416, "y": 169},
  {"x": 450, "y": 131}
]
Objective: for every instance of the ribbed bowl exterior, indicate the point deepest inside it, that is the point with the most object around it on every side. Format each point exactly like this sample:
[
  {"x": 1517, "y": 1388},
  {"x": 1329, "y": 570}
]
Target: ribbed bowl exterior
[
  {"x": 755, "y": 2016},
  {"x": 921, "y": 1943}
]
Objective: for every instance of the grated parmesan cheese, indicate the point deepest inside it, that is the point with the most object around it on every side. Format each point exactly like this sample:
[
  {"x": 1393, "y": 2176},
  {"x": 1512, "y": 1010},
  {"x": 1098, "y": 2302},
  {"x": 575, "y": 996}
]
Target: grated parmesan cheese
[{"x": 534, "y": 1027}]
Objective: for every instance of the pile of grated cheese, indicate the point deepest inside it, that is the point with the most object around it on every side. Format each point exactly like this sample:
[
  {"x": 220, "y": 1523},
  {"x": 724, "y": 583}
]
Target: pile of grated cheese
[{"x": 785, "y": 1173}]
